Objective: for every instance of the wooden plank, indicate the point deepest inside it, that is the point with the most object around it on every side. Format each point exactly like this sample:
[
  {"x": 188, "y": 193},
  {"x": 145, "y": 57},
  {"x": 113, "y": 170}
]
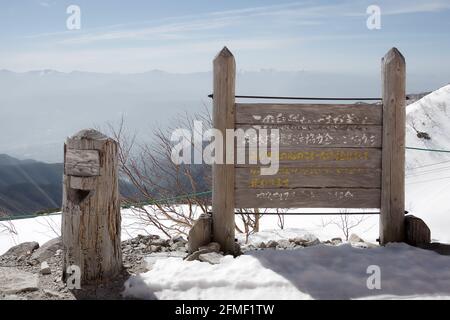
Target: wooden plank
[
  {"x": 392, "y": 217},
  {"x": 294, "y": 177},
  {"x": 82, "y": 163},
  {"x": 308, "y": 198},
  {"x": 318, "y": 157},
  {"x": 265, "y": 113},
  {"x": 319, "y": 135},
  {"x": 224, "y": 69}
]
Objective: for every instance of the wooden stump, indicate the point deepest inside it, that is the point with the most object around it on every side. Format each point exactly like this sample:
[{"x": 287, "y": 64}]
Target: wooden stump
[
  {"x": 91, "y": 208},
  {"x": 416, "y": 231},
  {"x": 200, "y": 233}
]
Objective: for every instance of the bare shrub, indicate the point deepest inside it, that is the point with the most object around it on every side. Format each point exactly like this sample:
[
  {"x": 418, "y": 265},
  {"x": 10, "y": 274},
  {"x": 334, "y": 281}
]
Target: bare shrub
[
  {"x": 163, "y": 194},
  {"x": 345, "y": 222}
]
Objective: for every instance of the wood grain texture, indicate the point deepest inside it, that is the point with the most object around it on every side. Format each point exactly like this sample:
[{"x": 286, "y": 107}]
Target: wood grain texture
[
  {"x": 316, "y": 157},
  {"x": 265, "y": 113},
  {"x": 308, "y": 198},
  {"x": 91, "y": 220},
  {"x": 393, "y": 158},
  {"x": 82, "y": 163},
  {"x": 354, "y": 136},
  {"x": 294, "y": 177},
  {"x": 224, "y": 69}
]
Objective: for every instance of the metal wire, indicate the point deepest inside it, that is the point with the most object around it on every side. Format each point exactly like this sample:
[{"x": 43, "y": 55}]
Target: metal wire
[
  {"x": 299, "y": 98},
  {"x": 311, "y": 213}
]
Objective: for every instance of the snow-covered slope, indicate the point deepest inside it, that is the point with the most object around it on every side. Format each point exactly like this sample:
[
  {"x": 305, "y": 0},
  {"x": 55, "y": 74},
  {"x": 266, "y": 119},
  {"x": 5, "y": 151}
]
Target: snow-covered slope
[{"x": 428, "y": 172}]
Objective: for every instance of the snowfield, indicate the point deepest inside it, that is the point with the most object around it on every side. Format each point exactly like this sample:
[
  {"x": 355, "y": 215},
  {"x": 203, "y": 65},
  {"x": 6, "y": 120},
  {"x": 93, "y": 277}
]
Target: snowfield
[{"x": 317, "y": 272}]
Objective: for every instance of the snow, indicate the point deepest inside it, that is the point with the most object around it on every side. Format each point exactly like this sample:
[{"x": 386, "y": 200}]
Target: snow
[
  {"x": 428, "y": 173},
  {"x": 318, "y": 272}
]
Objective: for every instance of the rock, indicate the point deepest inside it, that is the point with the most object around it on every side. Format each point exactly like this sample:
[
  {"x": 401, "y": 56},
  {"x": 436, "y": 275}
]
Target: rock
[
  {"x": 53, "y": 294},
  {"x": 177, "y": 246},
  {"x": 47, "y": 250},
  {"x": 194, "y": 256},
  {"x": 355, "y": 238},
  {"x": 284, "y": 244},
  {"x": 13, "y": 280},
  {"x": 45, "y": 268},
  {"x": 311, "y": 243},
  {"x": 336, "y": 241},
  {"x": 211, "y": 257},
  {"x": 200, "y": 233},
  {"x": 155, "y": 248},
  {"x": 178, "y": 239},
  {"x": 142, "y": 246},
  {"x": 212, "y": 247},
  {"x": 25, "y": 248},
  {"x": 159, "y": 242},
  {"x": 416, "y": 231},
  {"x": 272, "y": 244},
  {"x": 262, "y": 245}
]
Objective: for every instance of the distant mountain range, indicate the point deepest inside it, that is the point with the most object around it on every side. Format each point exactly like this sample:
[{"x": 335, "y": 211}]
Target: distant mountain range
[
  {"x": 40, "y": 109},
  {"x": 28, "y": 186}
]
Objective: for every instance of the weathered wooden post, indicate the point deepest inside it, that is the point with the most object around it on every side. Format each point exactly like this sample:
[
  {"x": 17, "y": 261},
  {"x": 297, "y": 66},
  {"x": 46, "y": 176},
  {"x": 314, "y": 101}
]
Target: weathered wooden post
[
  {"x": 91, "y": 208},
  {"x": 224, "y": 68},
  {"x": 392, "y": 214}
]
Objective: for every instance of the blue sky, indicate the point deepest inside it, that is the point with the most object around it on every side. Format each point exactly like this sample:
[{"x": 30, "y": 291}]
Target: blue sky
[{"x": 183, "y": 36}]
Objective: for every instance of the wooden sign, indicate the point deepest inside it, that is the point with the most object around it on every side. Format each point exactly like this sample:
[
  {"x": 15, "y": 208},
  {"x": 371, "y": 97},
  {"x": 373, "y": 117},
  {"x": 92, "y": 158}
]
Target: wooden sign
[
  {"x": 326, "y": 151},
  {"x": 330, "y": 155}
]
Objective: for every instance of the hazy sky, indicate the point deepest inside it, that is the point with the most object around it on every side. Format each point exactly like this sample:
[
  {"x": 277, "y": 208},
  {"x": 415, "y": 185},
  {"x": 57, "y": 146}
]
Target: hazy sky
[{"x": 183, "y": 36}]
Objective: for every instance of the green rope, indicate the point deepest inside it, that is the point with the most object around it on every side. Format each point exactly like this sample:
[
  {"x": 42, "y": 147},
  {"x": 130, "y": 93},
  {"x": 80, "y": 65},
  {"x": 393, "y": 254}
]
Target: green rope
[
  {"x": 127, "y": 206},
  {"x": 9, "y": 218},
  {"x": 430, "y": 150},
  {"x": 143, "y": 203}
]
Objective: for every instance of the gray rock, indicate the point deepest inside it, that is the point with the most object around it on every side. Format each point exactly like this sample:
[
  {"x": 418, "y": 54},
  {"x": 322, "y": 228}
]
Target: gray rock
[
  {"x": 25, "y": 248},
  {"x": 210, "y": 257},
  {"x": 355, "y": 238},
  {"x": 177, "y": 246},
  {"x": 45, "y": 268},
  {"x": 195, "y": 255},
  {"x": 13, "y": 281},
  {"x": 311, "y": 243},
  {"x": 284, "y": 244},
  {"x": 212, "y": 247},
  {"x": 262, "y": 245},
  {"x": 155, "y": 248},
  {"x": 336, "y": 241},
  {"x": 272, "y": 244},
  {"x": 47, "y": 250},
  {"x": 159, "y": 242},
  {"x": 179, "y": 239}
]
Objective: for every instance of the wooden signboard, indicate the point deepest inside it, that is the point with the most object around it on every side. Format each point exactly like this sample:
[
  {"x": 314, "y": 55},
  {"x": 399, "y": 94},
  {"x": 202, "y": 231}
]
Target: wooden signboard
[{"x": 330, "y": 155}]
